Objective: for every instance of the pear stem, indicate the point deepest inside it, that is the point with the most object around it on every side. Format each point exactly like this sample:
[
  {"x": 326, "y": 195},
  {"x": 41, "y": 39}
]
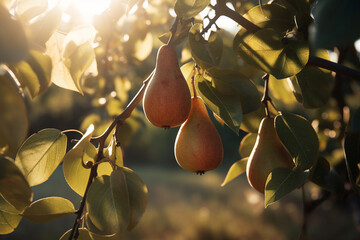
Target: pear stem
[
  {"x": 266, "y": 98},
  {"x": 193, "y": 81}
]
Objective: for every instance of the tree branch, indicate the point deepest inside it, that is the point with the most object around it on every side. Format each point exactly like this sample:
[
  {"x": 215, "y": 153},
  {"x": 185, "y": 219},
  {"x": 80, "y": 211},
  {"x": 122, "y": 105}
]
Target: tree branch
[
  {"x": 119, "y": 120},
  {"x": 221, "y": 9}
]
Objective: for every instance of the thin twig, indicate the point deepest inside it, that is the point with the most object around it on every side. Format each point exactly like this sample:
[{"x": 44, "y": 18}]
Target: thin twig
[
  {"x": 101, "y": 140},
  {"x": 266, "y": 98}
]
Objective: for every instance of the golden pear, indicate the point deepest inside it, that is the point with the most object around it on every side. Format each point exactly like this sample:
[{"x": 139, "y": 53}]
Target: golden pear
[
  {"x": 167, "y": 98},
  {"x": 268, "y": 153},
  {"x": 198, "y": 146}
]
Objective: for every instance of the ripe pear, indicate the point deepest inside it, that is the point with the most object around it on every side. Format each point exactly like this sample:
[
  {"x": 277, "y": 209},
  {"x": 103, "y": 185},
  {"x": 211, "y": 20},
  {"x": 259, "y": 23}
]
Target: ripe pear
[
  {"x": 198, "y": 146},
  {"x": 268, "y": 153},
  {"x": 167, "y": 98}
]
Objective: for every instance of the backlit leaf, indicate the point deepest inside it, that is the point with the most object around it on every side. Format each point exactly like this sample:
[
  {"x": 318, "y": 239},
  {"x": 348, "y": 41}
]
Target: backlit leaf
[
  {"x": 114, "y": 153},
  {"x": 138, "y": 196},
  {"x": 13, "y": 185},
  {"x": 14, "y": 120},
  {"x": 282, "y": 181},
  {"x": 116, "y": 203},
  {"x": 41, "y": 154},
  {"x": 9, "y": 217},
  {"x": 247, "y": 144},
  {"x": 84, "y": 234},
  {"x": 108, "y": 204},
  {"x": 72, "y": 56},
  {"x": 187, "y": 70},
  {"x": 189, "y": 8},
  {"x": 300, "y": 139},
  {"x": 76, "y": 175},
  {"x": 315, "y": 83},
  {"x": 271, "y": 16},
  {"x": 235, "y": 170},
  {"x": 266, "y": 50},
  {"x": 48, "y": 209}
]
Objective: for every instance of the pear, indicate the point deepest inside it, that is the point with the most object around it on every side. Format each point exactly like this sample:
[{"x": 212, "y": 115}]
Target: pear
[
  {"x": 198, "y": 146},
  {"x": 167, "y": 98},
  {"x": 268, "y": 153}
]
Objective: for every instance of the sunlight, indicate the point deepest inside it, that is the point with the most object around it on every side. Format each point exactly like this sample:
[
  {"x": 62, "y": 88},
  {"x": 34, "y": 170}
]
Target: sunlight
[{"x": 87, "y": 8}]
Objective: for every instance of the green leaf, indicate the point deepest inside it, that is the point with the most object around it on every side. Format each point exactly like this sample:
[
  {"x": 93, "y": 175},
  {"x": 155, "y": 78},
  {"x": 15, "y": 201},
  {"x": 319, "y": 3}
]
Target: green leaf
[
  {"x": 207, "y": 54},
  {"x": 84, "y": 234},
  {"x": 26, "y": 77},
  {"x": 247, "y": 144},
  {"x": 41, "y": 154},
  {"x": 28, "y": 9},
  {"x": 300, "y": 139},
  {"x": 71, "y": 57},
  {"x": 187, "y": 70},
  {"x": 116, "y": 203},
  {"x": 327, "y": 178},
  {"x": 114, "y": 153},
  {"x": 281, "y": 94},
  {"x": 299, "y": 8},
  {"x": 234, "y": 84},
  {"x": 13, "y": 47},
  {"x": 282, "y": 181},
  {"x": 42, "y": 66},
  {"x": 235, "y": 170},
  {"x": 334, "y": 23},
  {"x": 224, "y": 108},
  {"x": 189, "y": 8},
  {"x": 271, "y": 16},
  {"x": 266, "y": 50},
  {"x": 76, "y": 175},
  {"x": 229, "y": 94},
  {"x": 108, "y": 204},
  {"x": 315, "y": 84},
  {"x": 9, "y": 217},
  {"x": 138, "y": 196},
  {"x": 48, "y": 209},
  {"x": 14, "y": 121},
  {"x": 34, "y": 72},
  {"x": 44, "y": 26},
  {"x": 79, "y": 61},
  {"x": 352, "y": 155},
  {"x": 13, "y": 185}
]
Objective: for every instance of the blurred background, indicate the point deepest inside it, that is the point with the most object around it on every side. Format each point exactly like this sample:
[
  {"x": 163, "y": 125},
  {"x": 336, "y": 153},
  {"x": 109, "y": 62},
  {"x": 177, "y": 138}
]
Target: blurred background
[{"x": 182, "y": 205}]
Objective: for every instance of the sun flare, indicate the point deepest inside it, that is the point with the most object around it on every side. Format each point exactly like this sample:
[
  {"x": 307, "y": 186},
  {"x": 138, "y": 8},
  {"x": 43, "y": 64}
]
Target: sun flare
[{"x": 87, "y": 8}]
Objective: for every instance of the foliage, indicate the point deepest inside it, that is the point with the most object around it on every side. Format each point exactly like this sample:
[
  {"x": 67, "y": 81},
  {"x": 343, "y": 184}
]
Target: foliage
[{"x": 314, "y": 101}]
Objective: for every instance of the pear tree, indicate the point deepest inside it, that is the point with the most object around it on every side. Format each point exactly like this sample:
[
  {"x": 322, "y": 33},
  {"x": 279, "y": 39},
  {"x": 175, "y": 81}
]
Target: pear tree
[{"x": 284, "y": 72}]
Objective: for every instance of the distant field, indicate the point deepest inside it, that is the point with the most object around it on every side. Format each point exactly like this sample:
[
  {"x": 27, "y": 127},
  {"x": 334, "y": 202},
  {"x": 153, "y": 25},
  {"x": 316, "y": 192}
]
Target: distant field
[{"x": 183, "y": 206}]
